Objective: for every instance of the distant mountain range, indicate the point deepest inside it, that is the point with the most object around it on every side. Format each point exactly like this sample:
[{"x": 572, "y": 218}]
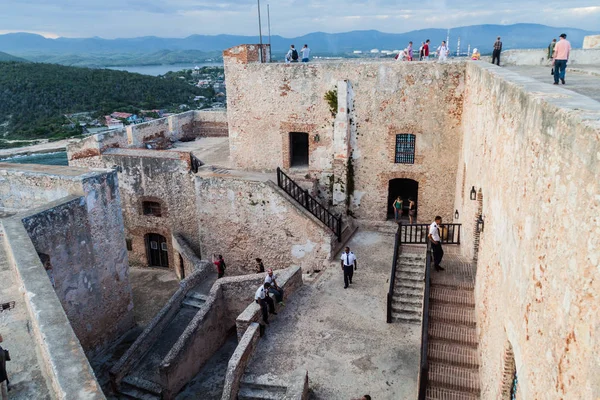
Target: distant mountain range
[
  {"x": 8, "y": 57},
  {"x": 38, "y": 48}
]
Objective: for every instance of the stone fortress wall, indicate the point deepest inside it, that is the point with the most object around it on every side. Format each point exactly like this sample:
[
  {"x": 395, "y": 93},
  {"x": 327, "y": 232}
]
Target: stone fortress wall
[
  {"x": 533, "y": 151},
  {"x": 268, "y": 101},
  {"x": 64, "y": 239}
]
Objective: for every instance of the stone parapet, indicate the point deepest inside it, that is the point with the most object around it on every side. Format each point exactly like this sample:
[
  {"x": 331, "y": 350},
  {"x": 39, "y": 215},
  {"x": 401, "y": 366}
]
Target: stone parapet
[
  {"x": 239, "y": 360},
  {"x": 540, "y": 57}
]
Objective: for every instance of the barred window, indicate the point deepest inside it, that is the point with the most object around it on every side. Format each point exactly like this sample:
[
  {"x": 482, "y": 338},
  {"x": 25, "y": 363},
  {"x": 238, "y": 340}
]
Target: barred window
[
  {"x": 405, "y": 148},
  {"x": 152, "y": 208}
]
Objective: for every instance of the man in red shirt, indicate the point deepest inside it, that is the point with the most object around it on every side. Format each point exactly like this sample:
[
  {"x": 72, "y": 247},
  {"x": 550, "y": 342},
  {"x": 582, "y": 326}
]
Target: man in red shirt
[{"x": 426, "y": 50}]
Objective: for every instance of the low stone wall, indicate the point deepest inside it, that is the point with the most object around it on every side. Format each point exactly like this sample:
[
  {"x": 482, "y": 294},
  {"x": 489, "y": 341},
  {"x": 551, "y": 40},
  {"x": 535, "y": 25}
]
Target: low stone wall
[
  {"x": 540, "y": 57},
  {"x": 154, "y": 329},
  {"x": 207, "y": 331},
  {"x": 211, "y": 123},
  {"x": 290, "y": 280},
  {"x": 90, "y": 148},
  {"x": 239, "y": 360},
  {"x": 61, "y": 357},
  {"x": 191, "y": 262}
]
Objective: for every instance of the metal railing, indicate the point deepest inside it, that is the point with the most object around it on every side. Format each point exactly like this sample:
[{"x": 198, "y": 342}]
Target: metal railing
[
  {"x": 309, "y": 203},
  {"x": 424, "y": 368},
  {"x": 390, "y": 295},
  {"x": 418, "y": 233}
]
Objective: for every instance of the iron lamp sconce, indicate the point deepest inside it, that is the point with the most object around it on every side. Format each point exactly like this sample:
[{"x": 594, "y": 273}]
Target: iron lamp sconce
[
  {"x": 473, "y": 193},
  {"x": 456, "y": 215},
  {"x": 317, "y": 138},
  {"x": 480, "y": 223}
]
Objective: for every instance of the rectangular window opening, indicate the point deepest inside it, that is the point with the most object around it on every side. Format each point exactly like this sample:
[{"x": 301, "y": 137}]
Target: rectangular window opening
[{"x": 405, "y": 149}]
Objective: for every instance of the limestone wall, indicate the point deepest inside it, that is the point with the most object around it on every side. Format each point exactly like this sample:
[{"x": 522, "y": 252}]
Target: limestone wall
[
  {"x": 268, "y": 101},
  {"x": 82, "y": 240},
  {"x": 533, "y": 150},
  {"x": 158, "y": 176},
  {"x": 591, "y": 42},
  {"x": 540, "y": 57},
  {"x": 243, "y": 219}
]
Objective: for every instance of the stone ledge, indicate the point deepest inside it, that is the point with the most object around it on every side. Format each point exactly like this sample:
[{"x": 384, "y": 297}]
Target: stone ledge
[{"x": 239, "y": 360}]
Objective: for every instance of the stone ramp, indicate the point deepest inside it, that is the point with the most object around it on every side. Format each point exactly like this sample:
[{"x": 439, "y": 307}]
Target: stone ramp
[
  {"x": 452, "y": 347},
  {"x": 24, "y": 370}
]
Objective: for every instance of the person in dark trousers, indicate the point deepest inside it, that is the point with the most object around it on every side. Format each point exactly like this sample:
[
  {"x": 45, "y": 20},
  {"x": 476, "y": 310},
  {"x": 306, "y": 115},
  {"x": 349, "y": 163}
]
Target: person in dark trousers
[
  {"x": 274, "y": 287},
  {"x": 220, "y": 264},
  {"x": 263, "y": 299},
  {"x": 561, "y": 57},
  {"x": 436, "y": 243},
  {"x": 260, "y": 267},
  {"x": 496, "y": 52},
  {"x": 348, "y": 260},
  {"x": 4, "y": 383}
]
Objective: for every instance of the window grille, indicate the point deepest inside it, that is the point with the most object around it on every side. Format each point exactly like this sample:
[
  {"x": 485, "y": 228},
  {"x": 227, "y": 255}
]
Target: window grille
[
  {"x": 154, "y": 245},
  {"x": 163, "y": 246},
  {"x": 152, "y": 208},
  {"x": 405, "y": 149}
]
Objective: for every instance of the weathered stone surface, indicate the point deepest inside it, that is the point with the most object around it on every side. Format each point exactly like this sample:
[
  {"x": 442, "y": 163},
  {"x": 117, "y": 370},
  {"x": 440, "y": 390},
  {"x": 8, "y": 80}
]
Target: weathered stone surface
[{"x": 534, "y": 151}]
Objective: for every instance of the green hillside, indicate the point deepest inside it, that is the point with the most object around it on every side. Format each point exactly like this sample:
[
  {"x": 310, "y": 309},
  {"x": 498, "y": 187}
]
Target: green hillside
[
  {"x": 34, "y": 97},
  {"x": 8, "y": 57}
]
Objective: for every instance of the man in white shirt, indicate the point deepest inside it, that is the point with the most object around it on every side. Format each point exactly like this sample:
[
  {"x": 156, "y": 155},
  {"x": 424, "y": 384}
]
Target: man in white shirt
[
  {"x": 436, "y": 243},
  {"x": 275, "y": 289},
  {"x": 305, "y": 53},
  {"x": 262, "y": 298},
  {"x": 348, "y": 261},
  {"x": 443, "y": 51}
]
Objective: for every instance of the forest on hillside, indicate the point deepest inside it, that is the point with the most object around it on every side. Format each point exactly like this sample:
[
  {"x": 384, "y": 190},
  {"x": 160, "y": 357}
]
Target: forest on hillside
[{"x": 35, "y": 97}]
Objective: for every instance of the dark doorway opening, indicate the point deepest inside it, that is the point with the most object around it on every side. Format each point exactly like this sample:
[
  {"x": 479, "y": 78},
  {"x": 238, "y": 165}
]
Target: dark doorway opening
[
  {"x": 157, "y": 249},
  {"x": 181, "y": 267},
  {"x": 298, "y": 149},
  {"x": 405, "y": 188}
]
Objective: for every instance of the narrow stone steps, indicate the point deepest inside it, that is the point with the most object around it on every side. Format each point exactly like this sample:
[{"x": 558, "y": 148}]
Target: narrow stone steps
[
  {"x": 452, "y": 354},
  {"x": 410, "y": 268},
  {"x": 451, "y": 295},
  {"x": 406, "y": 317},
  {"x": 407, "y": 308},
  {"x": 255, "y": 391},
  {"x": 454, "y": 378},
  {"x": 409, "y": 276},
  {"x": 192, "y": 302},
  {"x": 452, "y": 314},
  {"x": 440, "y": 393},
  {"x": 404, "y": 299},
  {"x": 140, "y": 388},
  {"x": 443, "y": 279},
  {"x": 452, "y": 333},
  {"x": 412, "y": 289}
]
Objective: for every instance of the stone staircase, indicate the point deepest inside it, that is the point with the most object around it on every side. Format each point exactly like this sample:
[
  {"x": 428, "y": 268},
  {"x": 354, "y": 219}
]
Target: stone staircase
[
  {"x": 452, "y": 347},
  {"x": 407, "y": 302},
  {"x": 258, "y": 391}
]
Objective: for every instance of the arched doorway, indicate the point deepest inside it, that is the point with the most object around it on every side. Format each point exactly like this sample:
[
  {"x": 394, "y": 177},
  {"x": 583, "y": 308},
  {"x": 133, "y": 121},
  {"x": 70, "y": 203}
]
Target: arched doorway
[
  {"x": 157, "y": 250},
  {"x": 405, "y": 188}
]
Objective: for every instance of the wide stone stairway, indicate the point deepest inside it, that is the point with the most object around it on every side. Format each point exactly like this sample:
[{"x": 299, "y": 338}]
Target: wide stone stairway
[
  {"x": 452, "y": 347},
  {"x": 407, "y": 301}
]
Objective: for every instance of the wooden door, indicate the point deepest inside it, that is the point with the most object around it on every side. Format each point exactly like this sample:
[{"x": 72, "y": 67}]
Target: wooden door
[{"x": 158, "y": 254}]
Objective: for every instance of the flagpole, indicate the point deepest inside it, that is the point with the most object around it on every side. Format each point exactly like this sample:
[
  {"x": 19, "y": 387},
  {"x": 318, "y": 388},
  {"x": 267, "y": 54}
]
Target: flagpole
[{"x": 260, "y": 34}]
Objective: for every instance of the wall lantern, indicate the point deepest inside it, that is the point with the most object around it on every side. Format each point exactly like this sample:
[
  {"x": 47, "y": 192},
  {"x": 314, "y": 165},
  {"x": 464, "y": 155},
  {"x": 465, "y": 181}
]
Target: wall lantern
[
  {"x": 317, "y": 138},
  {"x": 480, "y": 223},
  {"x": 473, "y": 193},
  {"x": 456, "y": 214}
]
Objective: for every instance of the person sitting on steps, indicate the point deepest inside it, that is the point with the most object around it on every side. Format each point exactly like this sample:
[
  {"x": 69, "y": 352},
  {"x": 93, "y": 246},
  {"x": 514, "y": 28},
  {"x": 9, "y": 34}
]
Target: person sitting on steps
[{"x": 274, "y": 287}]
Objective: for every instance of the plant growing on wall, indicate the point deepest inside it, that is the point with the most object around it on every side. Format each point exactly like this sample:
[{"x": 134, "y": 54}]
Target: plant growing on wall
[{"x": 331, "y": 99}]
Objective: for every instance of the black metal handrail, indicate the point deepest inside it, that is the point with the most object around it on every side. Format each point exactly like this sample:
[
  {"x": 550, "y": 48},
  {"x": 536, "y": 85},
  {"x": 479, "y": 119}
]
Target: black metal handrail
[
  {"x": 424, "y": 370},
  {"x": 310, "y": 203},
  {"x": 390, "y": 294},
  {"x": 418, "y": 233}
]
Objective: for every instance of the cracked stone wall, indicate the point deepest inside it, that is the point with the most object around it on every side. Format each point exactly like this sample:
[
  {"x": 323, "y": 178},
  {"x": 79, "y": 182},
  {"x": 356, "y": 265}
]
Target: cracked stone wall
[
  {"x": 244, "y": 219},
  {"x": 534, "y": 151},
  {"x": 268, "y": 101}
]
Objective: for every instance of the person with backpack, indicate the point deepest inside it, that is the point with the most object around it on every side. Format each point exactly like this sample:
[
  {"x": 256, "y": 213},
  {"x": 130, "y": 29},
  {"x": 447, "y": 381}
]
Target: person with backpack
[{"x": 292, "y": 55}]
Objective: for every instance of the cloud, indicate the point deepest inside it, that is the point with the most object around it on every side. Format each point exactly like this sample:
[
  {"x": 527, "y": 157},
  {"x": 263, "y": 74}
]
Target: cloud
[{"x": 179, "y": 18}]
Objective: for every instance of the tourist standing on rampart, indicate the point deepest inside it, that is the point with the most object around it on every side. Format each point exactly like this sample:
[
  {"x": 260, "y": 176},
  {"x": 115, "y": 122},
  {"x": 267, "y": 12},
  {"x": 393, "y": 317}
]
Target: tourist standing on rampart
[
  {"x": 348, "y": 260},
  {"x": 426, "y": 50},
  {"x": 305, "y": 53},
  {"x": 412, "y": 211},
  {"x": 436, "y": 243},
  {"x": 274, "y": 287},
  {"x": 220, "y": 264},
  {"x": 263, "y": 299},
  {"x": 562, "y": 50},
  {"x": 443, "y": 51},
  {"x": 292, "y": 55},
  {"x": 551, "y": 54},
  {"x": 410, "y": 51},
  {"x": 421, "y": 55},
  {"x": 496, "y": 52}
]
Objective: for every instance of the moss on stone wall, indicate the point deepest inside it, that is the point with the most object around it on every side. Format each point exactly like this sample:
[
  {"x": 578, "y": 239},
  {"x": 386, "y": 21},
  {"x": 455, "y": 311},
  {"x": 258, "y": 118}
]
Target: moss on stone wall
[{"x": 332, "y": 99}]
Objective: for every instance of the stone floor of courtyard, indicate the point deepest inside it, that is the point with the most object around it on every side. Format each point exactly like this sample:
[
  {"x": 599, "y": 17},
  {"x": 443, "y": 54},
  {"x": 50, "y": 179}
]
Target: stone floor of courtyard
[
  {"x": 584, "y": 79},
  {"x": 340, "y": 335}
]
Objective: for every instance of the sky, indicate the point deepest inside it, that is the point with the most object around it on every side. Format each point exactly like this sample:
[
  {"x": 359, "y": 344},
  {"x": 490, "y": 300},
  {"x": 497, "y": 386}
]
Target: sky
[{"x": 289, "y": 18}]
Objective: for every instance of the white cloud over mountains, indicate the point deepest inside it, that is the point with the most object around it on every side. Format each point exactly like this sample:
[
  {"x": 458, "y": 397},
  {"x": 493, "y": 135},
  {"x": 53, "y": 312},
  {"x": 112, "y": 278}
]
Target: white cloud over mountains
[{"x": 179, "y": 18}]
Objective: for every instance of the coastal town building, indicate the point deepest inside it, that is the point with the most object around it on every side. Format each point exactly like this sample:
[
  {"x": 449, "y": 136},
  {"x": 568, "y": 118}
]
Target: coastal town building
[{"x": 306, "y": 159}]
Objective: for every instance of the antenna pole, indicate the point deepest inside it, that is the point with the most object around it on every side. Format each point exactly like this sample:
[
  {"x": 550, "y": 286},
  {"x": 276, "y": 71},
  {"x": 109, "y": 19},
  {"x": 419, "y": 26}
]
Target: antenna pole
[
  {"x": 269, "y": 23},
  {"x": 260, "y": 34}
]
